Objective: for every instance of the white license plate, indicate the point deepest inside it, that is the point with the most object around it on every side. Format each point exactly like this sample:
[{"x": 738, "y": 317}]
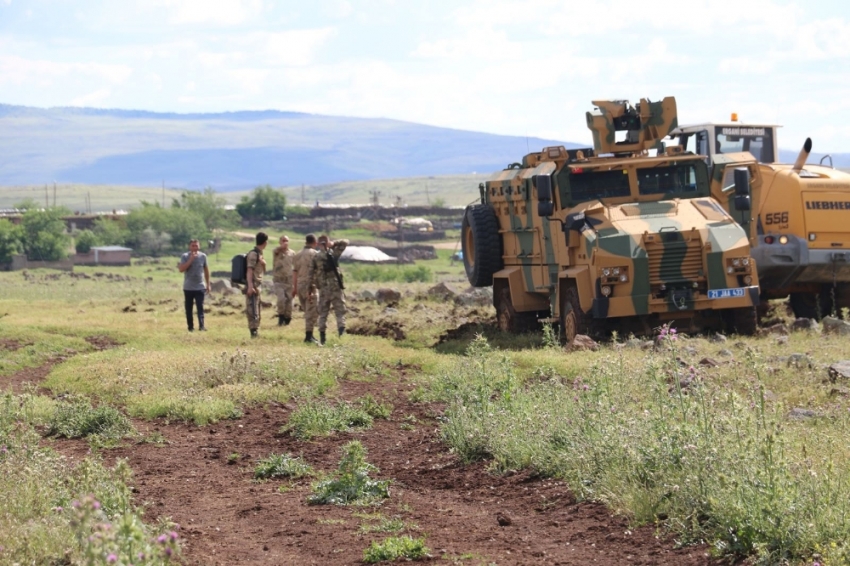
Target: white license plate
[{"x": 725, "y": 293}]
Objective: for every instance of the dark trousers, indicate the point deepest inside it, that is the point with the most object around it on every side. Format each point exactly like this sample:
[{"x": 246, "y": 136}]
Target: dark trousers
[{"x": 196, "y": 297}]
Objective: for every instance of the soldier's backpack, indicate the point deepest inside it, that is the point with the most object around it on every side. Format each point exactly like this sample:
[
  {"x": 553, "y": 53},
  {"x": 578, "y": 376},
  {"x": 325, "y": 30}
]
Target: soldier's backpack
[{"x": 239, "y": 268}]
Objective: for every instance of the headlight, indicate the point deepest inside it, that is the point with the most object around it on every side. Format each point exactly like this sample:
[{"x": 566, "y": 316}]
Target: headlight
[
  {"x": 783, "y": 239},
  {"x": 748, "y": 279},
  {"x": 606, "y": 272},
  {"x": 615, "y": 271},
  {"x": 606, "y": 290},
  {"x": 624, "y": 278},
  {"x": 746, "y": 261},
  {"x": 730, "y": 269},
  {"x": 736, "y": 262}
]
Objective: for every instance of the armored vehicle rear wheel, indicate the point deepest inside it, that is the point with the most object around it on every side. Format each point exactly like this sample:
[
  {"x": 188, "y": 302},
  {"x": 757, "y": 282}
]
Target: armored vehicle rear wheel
[
  {"x": 743, "y": 321},
  {"x": 481, "y": 244},
  {"x": 574, "y": 321},
  {"x": 508, "y": 319}
]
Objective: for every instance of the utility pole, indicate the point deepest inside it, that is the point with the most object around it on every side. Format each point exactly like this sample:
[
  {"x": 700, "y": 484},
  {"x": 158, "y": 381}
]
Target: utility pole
[
  {"x": 163, "y": 193},
  {"x": 302, "y": 193},
  {"x": 46, "y": 201},
  {"x": 54, "y": 194}
]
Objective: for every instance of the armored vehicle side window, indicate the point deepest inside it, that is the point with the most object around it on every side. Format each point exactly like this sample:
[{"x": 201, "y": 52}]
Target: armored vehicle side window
[
  {"x": 756, "y": 140},
  {"x": 686, "y": 180},
  {"x": 592, "y": 185}
]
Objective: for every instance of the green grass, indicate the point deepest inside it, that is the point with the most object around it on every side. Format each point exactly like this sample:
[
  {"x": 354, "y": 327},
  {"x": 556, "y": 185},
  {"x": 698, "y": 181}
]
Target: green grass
[
  {"x": 319, "y": 418},
  {"x": 281, "y": 466},
  {"x": 50, "y": 507},
  {"x": 393, "y": 548},
  {"x": 76, "y": 418},
  {"x": 717, "y": 460}
]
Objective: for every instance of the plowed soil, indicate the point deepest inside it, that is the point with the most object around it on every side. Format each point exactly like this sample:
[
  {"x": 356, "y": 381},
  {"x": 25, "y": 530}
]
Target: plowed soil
[{"x": 202, "y": 478}]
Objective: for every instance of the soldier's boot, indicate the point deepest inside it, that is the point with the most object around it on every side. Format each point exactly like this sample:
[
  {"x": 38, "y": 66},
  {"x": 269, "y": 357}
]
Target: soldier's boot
[
  {"x": 254, "y": 333},
  {"x": 286, "y": 320},
  {"x": 322, "y": 337},
  {"x": 280, "y": 320},
  {"x": 308, "y": 338},
  {"x": 341, "y": 330}
]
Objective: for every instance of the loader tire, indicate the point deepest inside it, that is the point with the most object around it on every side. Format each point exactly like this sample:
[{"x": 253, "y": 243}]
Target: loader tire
[{"x": 481, "y": 244}]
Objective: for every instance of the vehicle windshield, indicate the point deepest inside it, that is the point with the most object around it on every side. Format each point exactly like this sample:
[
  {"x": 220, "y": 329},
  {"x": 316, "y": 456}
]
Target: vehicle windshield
[
  {"x": 757, "y": 140},
  {"x": 682, "y": 179},
  {"x": 591, "y": 185}
]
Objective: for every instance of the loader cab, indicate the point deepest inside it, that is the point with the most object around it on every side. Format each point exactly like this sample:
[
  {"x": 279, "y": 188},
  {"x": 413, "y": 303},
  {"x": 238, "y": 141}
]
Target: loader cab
[{"x": 712, "y": 139}]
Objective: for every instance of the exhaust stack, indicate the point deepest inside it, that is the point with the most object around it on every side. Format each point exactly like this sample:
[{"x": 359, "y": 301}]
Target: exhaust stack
[{"x": 804, "y": 155}]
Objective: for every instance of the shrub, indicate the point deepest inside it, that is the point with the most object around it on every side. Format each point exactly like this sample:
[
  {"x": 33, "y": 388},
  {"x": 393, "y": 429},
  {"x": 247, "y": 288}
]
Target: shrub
[
  {"x": 11, "y": 237},
  {"x": 85, "y": 241},
  {"x": 352, "y": 483},
  {"x": 44, "y": 236},
  {"x": 78, "y": 419},
  {"x": 394, "y": 548},
  {"x": 281, "y": 466},
  {"x": 375, "y": 409}
]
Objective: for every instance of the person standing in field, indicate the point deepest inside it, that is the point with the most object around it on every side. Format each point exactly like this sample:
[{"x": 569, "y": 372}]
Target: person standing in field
[
  {"x": 256, "y": 269},
  {"x": 282, "y": 276},
  {"x": 196, "y": 282},
  {"x": 325, "y": 275},
  {"x": 307, "y": 299}
]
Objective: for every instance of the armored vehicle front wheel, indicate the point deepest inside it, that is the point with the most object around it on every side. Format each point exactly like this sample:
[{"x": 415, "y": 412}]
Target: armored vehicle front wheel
[
  {"x": 743, "y": 321},
  {"x": 507, "y": 317},
  {"x": 481, "y": 244},
  {"x": 574, "y": 321}
]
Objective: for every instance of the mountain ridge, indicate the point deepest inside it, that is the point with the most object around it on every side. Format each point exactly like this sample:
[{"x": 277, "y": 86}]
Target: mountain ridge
[{"x": 239, "y": 150}]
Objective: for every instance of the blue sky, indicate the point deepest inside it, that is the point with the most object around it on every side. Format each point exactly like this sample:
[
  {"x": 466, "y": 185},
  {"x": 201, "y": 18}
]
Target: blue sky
[{"x": 507, "y": 67}]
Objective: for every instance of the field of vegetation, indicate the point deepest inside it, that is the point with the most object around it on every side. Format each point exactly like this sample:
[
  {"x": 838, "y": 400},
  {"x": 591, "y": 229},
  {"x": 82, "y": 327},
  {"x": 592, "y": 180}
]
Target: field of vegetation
[
  {"x": 423, "y": 434},
  {"x": 439, "y": 190}
]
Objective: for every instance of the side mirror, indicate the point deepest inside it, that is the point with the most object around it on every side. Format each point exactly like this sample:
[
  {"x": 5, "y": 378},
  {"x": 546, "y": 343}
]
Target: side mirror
[
  {"x": 742, "y": 182},
  {"x": 544, "y": 187},
  {"x": 742, "y": 202},
  {"x": 545, "y": 208}
]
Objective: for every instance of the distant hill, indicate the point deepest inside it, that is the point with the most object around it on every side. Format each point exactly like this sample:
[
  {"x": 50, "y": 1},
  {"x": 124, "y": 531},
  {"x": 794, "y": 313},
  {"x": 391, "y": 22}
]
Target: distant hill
[
  {"x": 236, "y": 150},
  {"x": 91, "y": 153}
]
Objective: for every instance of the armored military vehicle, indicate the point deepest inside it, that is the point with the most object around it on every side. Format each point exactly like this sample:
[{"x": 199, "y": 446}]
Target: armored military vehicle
[
  {"x": 801, "y": 212},
  {"x": 623, "y": 236}
]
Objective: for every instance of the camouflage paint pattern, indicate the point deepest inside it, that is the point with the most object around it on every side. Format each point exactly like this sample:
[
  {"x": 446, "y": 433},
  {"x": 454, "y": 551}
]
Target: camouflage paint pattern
[
  {"x": 672, "y": 246},
  {"x": 307, "y": 298},
  {"x": 331, "y": 295}
]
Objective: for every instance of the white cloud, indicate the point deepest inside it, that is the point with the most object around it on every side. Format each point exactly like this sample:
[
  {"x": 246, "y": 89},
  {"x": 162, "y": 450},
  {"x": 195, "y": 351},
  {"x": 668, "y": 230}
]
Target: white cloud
[
  {"x": 7, "y": 2},
  {"x": 216, "y": 12},
  {"x": 18, "y": 70},
  {"x": 95, "y": 98}
]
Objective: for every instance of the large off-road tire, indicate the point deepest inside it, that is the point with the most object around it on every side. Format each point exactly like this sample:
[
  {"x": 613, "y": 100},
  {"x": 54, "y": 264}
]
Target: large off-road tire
[
  {"x": 481, "y": 244},
  {"x": 743, "y": 320},
  {"x": 574, "y": 321},
  {"x": 507, "y": 317}
]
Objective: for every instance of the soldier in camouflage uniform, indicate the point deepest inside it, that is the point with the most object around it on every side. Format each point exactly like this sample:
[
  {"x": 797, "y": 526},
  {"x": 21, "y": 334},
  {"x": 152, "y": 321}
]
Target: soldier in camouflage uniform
[
  {"x": 309, "y": 301},
  {"x": 256, "y": 268},
  {"x": 325, "y": 275},
  {"x": 282, "y": 275}
]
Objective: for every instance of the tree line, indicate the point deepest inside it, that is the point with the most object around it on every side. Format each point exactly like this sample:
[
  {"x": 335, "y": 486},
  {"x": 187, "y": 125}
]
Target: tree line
[{"x": 150, "y": 228}]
